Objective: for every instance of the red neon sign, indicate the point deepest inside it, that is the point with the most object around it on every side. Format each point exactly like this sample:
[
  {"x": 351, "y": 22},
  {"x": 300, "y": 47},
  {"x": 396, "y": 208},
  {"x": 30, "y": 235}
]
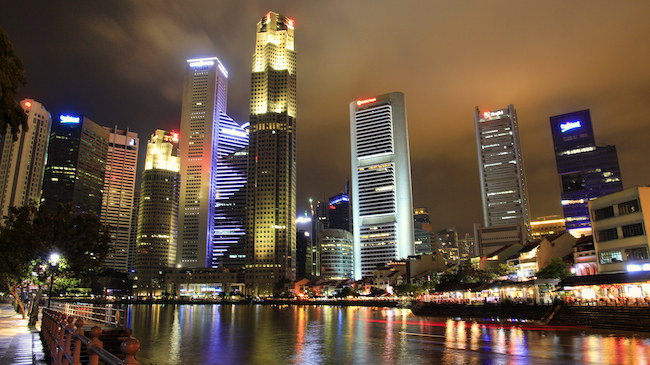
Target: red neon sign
[{"x": 366, "y": 101}]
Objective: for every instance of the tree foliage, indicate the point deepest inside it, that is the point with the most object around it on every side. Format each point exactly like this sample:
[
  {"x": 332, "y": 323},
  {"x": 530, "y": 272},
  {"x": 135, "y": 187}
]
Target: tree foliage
[
  {"x": 31, "y": 234},
  {"x": 557, "y": 269},
  {"x": 12, "y": 75}
]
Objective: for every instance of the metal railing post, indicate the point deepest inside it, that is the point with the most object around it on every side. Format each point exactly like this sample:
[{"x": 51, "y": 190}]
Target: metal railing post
[
  {"x": 67, "y": 330},
  {"x": 94, "y": 342},
  {"x": 76, "y": 355},
  {"x": 61, "y": 339},
  {"x": 130, "y": 347}
]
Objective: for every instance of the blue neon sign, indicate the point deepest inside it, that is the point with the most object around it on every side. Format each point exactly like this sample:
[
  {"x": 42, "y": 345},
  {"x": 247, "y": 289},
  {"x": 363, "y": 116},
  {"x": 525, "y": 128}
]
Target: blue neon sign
[
  {"x": 69, "y": 119},
  {"x": 567, "y": 126}
]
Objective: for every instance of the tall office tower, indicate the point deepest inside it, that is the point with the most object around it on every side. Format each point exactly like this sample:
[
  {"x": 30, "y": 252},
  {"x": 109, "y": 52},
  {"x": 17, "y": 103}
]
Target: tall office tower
[
  {"x": 204, "y": 98},
  {"x": 382, "y": 206},
  {"x": 22, "y": 161},
  {"x": 117, "y": 201},
  {"x": 501, "y": 169},
  {"x": 271, "y": 196},
  {"x": 76, "y": 164},
  {"x": 338, "y": 213},
  {"x": 303, "y": 244},
  {"x": 133, "y": 237},
  {"x": 586, "y": 171},
  {"x": 337, "y": 258},
  {"x": 423, "y": 231},
  {"x": 157, "y": 235},
  {"x": 230, "y": 206}
]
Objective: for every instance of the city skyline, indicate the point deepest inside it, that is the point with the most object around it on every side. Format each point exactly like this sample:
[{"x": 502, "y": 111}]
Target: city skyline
[{"x": 572, "y": 65}]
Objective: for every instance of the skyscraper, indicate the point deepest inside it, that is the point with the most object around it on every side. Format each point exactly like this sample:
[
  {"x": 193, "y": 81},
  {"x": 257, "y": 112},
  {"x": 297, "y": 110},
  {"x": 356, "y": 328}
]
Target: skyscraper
[
  {"x": 158, "y": 212},
  {"x": 586, "y": 171},
  {"x": 76, "y": 164},
  {"x": 204, "y": 98},
  {"x": 117, "y": 200},
  {"x": 339, "y": 212},
  {"x": 501, "y": 169},
  {"x": 230, "y": 206},
  {"x": 271, "y": 193},
  {"x": 382, "y": 207},
  {"x": 22, "y": 162}
]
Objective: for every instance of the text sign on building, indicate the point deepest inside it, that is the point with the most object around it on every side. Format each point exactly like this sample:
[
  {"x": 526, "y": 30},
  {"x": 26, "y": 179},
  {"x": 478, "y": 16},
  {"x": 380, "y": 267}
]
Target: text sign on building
[
  {"x": 490, "y": 115},
  {"x": 69, "y": 119},
  {"x": 366, "y": 101},
  {"x": 567, "y": 126}
]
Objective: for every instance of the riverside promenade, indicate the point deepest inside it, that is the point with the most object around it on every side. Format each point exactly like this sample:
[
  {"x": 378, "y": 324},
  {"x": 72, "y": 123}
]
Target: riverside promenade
[{"x": 19, "y": 344}]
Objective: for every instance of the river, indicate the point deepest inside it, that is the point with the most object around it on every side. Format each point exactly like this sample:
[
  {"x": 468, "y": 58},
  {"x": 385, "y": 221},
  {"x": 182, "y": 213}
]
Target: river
[{"x": 279, "y": 334}]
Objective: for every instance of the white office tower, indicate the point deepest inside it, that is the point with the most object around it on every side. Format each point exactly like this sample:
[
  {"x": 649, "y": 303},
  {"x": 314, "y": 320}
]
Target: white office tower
[
  {"x": 382, "y": 207},
  {"x": 204, "y": 98},
  {"x": 23, "y": 161},
  {"x": 501, "y": 170},
  {"x": 117, "y": 200}
]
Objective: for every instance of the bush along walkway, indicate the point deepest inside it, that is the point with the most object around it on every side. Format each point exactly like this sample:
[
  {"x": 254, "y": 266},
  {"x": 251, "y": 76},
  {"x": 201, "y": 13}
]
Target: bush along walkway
[{"x": 19, "y": 344}]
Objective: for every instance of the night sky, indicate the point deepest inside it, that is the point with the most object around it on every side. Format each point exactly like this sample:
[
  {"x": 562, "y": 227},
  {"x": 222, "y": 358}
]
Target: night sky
[{"x": 122, "y": 62}]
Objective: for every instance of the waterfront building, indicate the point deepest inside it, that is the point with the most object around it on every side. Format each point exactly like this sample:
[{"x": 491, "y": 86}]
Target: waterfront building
[
  {"x": 204, "y": 99},
  {"x": 22, "y": 161},
  {"x": 76, "y": 164},
  {"x": 501, "y": 170},
  {"x": 586, "y": 171},
  {"x": 157, "y": 232},
  {"x": 271, "y": 193},
  {"x": 202, "y": 283},
  {"x": 336, "y": 255},
  {"x": 133, "y": 237},
  {"x": 382, "y": 204},
  {"x": 117, "y": 198},
  {"x": 584, "y": 257},
  {"x": 230, "y": 207},
  {"x": 620, "y": 222},
  {"x": 547, "y": 226}
]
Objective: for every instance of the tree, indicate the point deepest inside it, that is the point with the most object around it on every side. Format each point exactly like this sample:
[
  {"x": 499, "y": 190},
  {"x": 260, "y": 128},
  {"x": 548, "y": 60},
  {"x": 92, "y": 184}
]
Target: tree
[
  {"x": 557, "y": 269},
  {"x": 30, "y": 234},
  {"x": 12, "y": 75}
]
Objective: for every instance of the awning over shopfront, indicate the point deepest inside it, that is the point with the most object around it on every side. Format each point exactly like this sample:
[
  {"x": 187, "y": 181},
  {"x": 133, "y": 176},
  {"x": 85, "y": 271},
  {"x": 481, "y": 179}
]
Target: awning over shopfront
[{"x": 605, "y": 279}]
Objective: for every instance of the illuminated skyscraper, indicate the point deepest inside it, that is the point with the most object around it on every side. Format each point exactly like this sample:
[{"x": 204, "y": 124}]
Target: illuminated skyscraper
[
  {"x": 382, "y": 206},
  {"x": 271, "y": 196},
  {"x": 158, "y": 212},
  {"x": 501, "y": 170},
  {"x": 117, "y": 201},
  {"x": 76, "y": 164},
  {"x": 586, "y": 171},
  {"x": 230, "y": 206},
  {"x": 22, "y": 162},
  {"x": 204, "y": 98}
]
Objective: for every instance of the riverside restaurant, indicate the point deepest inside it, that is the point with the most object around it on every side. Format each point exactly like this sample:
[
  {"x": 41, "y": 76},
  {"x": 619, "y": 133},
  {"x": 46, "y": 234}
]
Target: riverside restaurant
[{"x": 620, "y": 289}]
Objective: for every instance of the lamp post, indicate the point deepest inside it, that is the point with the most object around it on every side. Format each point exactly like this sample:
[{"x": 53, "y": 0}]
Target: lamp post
[{"x": 54, "y": 260}]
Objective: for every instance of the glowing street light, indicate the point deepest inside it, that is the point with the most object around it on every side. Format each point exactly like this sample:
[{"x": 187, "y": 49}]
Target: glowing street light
[{"x": 54, "y": 260}]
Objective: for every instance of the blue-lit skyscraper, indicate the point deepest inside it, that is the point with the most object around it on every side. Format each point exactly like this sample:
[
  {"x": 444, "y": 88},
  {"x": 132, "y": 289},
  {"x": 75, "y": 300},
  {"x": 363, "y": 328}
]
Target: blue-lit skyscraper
[
  {"x": 230, "y": 199},
  {"x": 586, "y": 171}
]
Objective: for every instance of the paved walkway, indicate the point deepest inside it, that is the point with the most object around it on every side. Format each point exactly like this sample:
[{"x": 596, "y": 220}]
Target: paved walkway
[{"x": 19, "y": 344}]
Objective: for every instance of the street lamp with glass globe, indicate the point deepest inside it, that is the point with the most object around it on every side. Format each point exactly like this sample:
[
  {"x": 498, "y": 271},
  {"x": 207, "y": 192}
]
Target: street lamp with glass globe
[{"x": 54, "y": 260}]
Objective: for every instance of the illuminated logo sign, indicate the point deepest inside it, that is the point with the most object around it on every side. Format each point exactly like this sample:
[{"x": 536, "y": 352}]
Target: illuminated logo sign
[
  {"x": 69, "y": 119},
  {"x": 567, "y": 126},
  {"x": 201, "y": 63},
  {"x": 488, "y": 115},
  {"x": 366, "y": 101},
  {"x": 28, "y": 104},
  {"x": 131, "y": 142}
]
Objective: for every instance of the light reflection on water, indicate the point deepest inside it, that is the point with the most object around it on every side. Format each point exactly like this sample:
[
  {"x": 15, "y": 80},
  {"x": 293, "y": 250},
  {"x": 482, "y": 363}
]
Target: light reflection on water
[{"x": 256, "y": 334}]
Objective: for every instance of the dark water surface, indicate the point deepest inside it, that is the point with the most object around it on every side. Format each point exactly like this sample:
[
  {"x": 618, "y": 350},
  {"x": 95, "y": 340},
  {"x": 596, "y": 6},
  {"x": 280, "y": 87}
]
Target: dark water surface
[{"x": 264, "y": 334}]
